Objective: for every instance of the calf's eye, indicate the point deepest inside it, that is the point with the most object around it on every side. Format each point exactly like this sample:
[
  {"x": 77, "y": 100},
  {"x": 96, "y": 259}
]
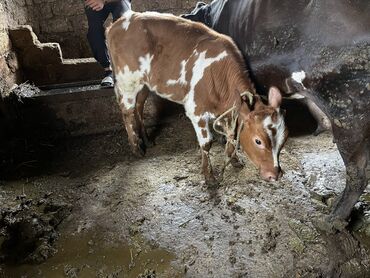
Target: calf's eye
[{"x": 258, "y": 142}]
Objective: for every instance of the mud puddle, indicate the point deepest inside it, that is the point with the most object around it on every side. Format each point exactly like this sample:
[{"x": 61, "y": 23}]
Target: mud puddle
[{"x": 91, "y": 255}]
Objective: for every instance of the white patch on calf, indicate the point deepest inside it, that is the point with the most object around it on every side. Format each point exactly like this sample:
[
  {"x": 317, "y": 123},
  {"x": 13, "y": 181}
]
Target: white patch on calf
[
  {"x": 181, "y": 80},
  {"x": 206, "y": 117},
  {"x": 201, "y": 64},
  {"x": 129, "y": 83},
  {"x": 145, "y": 63},
  {"x": 204, "y": 140},
  {"x": 278, "y": 139},
  {"x": 127, "y": 19},
  {"x": 198, "y": 71},
  {"x": 128, "y": 80},
  {"x": 199, "y": 67},
  {"x": 298, "y": 77}
]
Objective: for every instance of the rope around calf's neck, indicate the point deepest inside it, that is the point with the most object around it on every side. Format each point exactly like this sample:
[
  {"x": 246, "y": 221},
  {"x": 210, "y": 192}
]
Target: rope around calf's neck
[
  {"x": 234, "y": 118},
  {"x": 230, "y": 133}
]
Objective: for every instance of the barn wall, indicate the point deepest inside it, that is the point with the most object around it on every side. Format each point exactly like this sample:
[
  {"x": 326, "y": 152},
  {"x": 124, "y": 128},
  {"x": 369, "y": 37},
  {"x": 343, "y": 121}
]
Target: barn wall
[
  {"x": 17, "y": 11},
  {"x": 12, "y": 13},
  {"x": 65, "y": 21}
]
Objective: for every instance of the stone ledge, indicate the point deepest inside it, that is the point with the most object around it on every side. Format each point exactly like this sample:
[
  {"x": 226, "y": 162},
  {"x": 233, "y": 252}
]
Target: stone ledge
[
  {"x": 74, "y": 110},
  {"x": 43, "y": 63}
]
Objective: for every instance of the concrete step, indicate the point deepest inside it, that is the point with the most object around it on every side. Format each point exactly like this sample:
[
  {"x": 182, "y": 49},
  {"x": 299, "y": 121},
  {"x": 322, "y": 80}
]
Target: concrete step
[{"x": 43, "y": 63}]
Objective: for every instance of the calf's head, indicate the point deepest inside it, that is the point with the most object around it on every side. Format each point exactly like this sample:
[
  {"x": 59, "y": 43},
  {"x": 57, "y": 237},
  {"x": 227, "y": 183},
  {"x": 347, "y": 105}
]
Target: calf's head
[{"x": 263, "y": 135}]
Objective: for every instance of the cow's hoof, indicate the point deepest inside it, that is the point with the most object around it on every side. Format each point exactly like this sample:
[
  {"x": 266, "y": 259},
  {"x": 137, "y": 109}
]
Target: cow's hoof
[
  {"x": 329, "y": 224},
  {"x": 320, "y": 129}
]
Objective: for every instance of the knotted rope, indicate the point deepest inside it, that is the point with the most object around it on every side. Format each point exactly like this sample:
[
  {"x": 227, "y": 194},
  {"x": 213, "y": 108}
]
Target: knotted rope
[{"x": 230, "y": 131}]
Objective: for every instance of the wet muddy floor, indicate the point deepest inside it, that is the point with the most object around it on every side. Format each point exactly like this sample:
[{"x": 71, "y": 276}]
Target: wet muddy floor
[{"x": 103, "y": 213}]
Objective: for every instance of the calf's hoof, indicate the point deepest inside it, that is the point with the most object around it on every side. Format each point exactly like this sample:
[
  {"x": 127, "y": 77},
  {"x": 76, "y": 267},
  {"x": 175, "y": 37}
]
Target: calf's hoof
[
  {"x": 148, "y": 143},
  {"x": 211, "y": 181},
  {"x": 139, "y": 149}
]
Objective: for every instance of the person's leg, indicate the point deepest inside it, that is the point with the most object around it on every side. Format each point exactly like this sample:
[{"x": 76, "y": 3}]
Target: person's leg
[
  {"x": 117, "y": 9},
  {"x": 96, "y": 36}
]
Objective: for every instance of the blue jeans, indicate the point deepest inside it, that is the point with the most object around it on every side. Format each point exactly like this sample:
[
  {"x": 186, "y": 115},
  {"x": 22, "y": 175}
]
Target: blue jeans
[{"x": 96, "y": 33}]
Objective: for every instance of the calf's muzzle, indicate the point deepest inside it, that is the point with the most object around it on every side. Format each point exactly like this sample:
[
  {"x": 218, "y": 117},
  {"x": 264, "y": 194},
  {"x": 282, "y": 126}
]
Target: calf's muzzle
[{"x": 272, "y": 174}]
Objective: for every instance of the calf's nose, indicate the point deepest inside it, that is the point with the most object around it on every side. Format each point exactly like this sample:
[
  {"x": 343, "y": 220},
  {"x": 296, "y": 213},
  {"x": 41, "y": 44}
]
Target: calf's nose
[{"x": 272, "y": 175}]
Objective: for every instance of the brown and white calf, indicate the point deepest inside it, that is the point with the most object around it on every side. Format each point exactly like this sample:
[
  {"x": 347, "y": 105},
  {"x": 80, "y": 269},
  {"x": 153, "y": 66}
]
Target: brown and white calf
[{"x": 190, "y": 64}]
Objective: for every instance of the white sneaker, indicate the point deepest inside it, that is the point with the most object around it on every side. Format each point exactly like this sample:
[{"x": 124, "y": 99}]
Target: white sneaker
[{"x": 107, "y": 82}]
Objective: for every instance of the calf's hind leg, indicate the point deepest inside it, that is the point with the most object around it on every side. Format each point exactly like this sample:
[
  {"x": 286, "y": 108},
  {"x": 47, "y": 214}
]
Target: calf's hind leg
[
  {"x": 127, "y": 104},
  {"x": 140, "y": 102}
]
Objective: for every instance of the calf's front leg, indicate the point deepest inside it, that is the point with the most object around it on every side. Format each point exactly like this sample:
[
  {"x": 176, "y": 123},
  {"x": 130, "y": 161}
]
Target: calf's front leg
[
  {"x": 204, "y": 137},
  {"x": 231, "y": 155},
  {"x": 207, "y": 170}
]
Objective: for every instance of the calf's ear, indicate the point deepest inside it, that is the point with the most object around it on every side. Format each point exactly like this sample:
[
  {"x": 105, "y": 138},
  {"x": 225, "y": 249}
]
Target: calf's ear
[{"x": 275, "y": 97}]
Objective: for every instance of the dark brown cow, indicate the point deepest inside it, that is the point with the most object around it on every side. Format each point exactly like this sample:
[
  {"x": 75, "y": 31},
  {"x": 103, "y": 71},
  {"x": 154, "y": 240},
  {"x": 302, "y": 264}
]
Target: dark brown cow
[
  {"x": 188, "y": 63},
  {"x": 319, "y": 49}
]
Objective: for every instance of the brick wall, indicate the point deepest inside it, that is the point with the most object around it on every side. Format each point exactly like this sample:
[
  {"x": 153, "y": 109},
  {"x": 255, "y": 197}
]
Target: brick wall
[{"x": 64, "y": 21}]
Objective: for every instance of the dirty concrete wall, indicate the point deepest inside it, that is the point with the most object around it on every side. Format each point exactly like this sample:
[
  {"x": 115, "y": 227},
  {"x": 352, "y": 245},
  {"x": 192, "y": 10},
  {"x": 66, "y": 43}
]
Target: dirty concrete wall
[
  {"x": 4, "y": 49},
  {"x": 12, "y": 13},
  {"x": 16, "y": 11},
  {"x": 65, "y": 21}
]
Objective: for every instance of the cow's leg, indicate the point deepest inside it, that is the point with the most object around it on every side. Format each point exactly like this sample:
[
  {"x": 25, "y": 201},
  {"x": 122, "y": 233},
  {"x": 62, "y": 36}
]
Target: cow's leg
[
  {"x": 206, "y": 164},
  {"x": 231, "y": 154},
  {"x": 355, "y": 154},
  {"x": 132, "y": 126},
  {"x": 204, "y": 137},
  {"x": 127, "y": 103},
  {"x": 140, "y": 102},
  {"x": 231, "y": 144},
  {"x": 323, "y": 122}
]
